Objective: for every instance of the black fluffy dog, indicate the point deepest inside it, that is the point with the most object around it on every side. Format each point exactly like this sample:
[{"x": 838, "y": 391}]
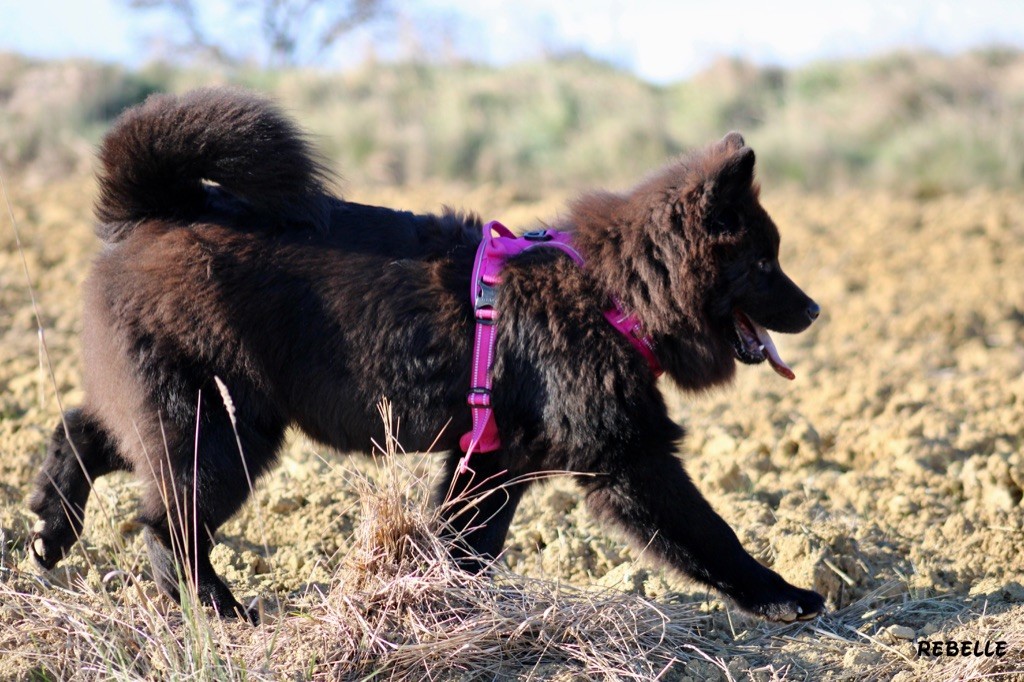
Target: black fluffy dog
[{"x": 226, "y": 257}]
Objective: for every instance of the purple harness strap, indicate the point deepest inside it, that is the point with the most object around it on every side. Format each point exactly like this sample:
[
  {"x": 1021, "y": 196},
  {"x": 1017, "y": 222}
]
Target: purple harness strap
[{"x": 490, "y": 258}]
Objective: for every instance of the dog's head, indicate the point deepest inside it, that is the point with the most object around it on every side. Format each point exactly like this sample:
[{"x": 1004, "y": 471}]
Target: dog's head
[
  {"x": 749, "y": 294},
  {"x": 693, "y": 254}
]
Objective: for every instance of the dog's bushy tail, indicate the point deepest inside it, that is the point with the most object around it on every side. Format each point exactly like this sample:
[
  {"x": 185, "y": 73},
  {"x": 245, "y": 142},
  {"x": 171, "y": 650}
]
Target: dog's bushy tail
[{"x": 157, "y": 155}]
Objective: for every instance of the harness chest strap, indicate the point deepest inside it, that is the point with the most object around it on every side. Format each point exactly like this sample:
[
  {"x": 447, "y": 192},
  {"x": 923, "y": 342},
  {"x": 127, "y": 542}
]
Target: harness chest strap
[{"x": 499, "y": 244}]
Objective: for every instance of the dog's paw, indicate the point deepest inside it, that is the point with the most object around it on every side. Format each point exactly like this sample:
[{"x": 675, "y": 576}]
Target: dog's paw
[
  {"x": 235, "y": 611},
  {"x": 50, "y": 542},
  {"x": 788, "y": 604},
  {"x": 215, "y": 594},
  {"x": 250, "y": 615}
]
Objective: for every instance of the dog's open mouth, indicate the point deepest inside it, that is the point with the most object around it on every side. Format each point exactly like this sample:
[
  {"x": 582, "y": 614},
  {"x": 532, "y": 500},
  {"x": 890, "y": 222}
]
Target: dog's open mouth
[{"x": 752, "y": 344}]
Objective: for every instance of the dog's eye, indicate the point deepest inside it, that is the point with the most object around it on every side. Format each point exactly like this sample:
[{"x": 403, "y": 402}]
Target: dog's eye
[{"x": 764, "y": 265}]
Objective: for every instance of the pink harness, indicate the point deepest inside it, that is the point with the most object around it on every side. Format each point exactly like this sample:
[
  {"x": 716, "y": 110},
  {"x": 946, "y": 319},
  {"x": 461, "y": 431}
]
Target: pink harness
[{"x": 490, "y": 258}]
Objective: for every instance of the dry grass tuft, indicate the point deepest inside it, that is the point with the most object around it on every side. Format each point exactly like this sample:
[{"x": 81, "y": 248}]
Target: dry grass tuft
[
  {"x": 117, "y": 632},
  {"x": 443, "y": 623},
  {"x": 401, "y": 608}
]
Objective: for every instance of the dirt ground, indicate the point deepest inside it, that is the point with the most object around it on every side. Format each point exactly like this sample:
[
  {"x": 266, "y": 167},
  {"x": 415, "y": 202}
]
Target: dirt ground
[{"x": 888, "y": 475}]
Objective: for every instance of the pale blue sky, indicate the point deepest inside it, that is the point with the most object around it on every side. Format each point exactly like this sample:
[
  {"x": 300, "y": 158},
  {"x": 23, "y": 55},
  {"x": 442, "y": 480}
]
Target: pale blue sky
[{"x": 659, "y": 39}]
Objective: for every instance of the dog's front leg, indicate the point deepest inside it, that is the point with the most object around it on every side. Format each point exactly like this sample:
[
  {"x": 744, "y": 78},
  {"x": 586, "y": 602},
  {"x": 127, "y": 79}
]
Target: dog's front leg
[
  {"x": 477, "y": 506},
  {"x": 653, "y": 500}
]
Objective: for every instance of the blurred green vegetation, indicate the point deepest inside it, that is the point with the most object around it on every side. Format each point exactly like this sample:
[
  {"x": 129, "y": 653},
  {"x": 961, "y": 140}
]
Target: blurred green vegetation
[{"x": 919, "y": 123}]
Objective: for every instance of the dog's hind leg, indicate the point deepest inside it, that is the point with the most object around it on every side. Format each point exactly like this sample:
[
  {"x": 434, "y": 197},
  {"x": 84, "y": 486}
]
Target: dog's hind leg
[
  {"x": 192, "y": 489},
  {"x": 79, "y": 452},
  {"x": 477, "y": 507},
  {"x": 653, "y": 500}
]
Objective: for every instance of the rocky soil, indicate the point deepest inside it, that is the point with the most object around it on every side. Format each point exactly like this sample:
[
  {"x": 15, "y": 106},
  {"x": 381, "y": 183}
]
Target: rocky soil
[{"x": 888, "y": 475}]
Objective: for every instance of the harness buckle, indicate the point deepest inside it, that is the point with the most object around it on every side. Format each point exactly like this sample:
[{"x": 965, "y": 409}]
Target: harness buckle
[
  {"x": 483, "y": 308},
  {"x": 488, "y": 295},
  {"x": 537, "y": 236}
]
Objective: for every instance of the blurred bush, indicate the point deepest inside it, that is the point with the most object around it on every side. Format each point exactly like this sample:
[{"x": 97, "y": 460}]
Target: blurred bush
[{"x": 918, "y": 123}]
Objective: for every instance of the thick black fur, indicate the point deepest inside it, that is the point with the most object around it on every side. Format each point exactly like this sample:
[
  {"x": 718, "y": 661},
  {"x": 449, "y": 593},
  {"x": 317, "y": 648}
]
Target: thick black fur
[{"x": 227, "y": 258}]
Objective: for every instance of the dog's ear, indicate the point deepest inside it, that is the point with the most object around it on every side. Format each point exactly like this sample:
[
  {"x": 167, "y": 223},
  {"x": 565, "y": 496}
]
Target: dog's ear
[
  {"x": 737, "y": 172},
  {"x": 732, "y": 142},
  {"x": 728, "y": 178}
]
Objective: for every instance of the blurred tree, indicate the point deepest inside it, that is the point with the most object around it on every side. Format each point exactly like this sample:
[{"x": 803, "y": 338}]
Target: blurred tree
[{"x": 292, "y": 31}]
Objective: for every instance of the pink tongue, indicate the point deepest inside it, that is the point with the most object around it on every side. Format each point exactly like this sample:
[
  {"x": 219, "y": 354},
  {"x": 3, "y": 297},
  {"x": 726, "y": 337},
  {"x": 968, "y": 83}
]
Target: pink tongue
[{"x": 774, "y": 359}]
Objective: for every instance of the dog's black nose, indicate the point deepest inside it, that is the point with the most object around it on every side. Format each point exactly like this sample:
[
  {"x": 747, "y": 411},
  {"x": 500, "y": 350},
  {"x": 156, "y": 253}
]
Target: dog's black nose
[{"x": 813, "y": 311}]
